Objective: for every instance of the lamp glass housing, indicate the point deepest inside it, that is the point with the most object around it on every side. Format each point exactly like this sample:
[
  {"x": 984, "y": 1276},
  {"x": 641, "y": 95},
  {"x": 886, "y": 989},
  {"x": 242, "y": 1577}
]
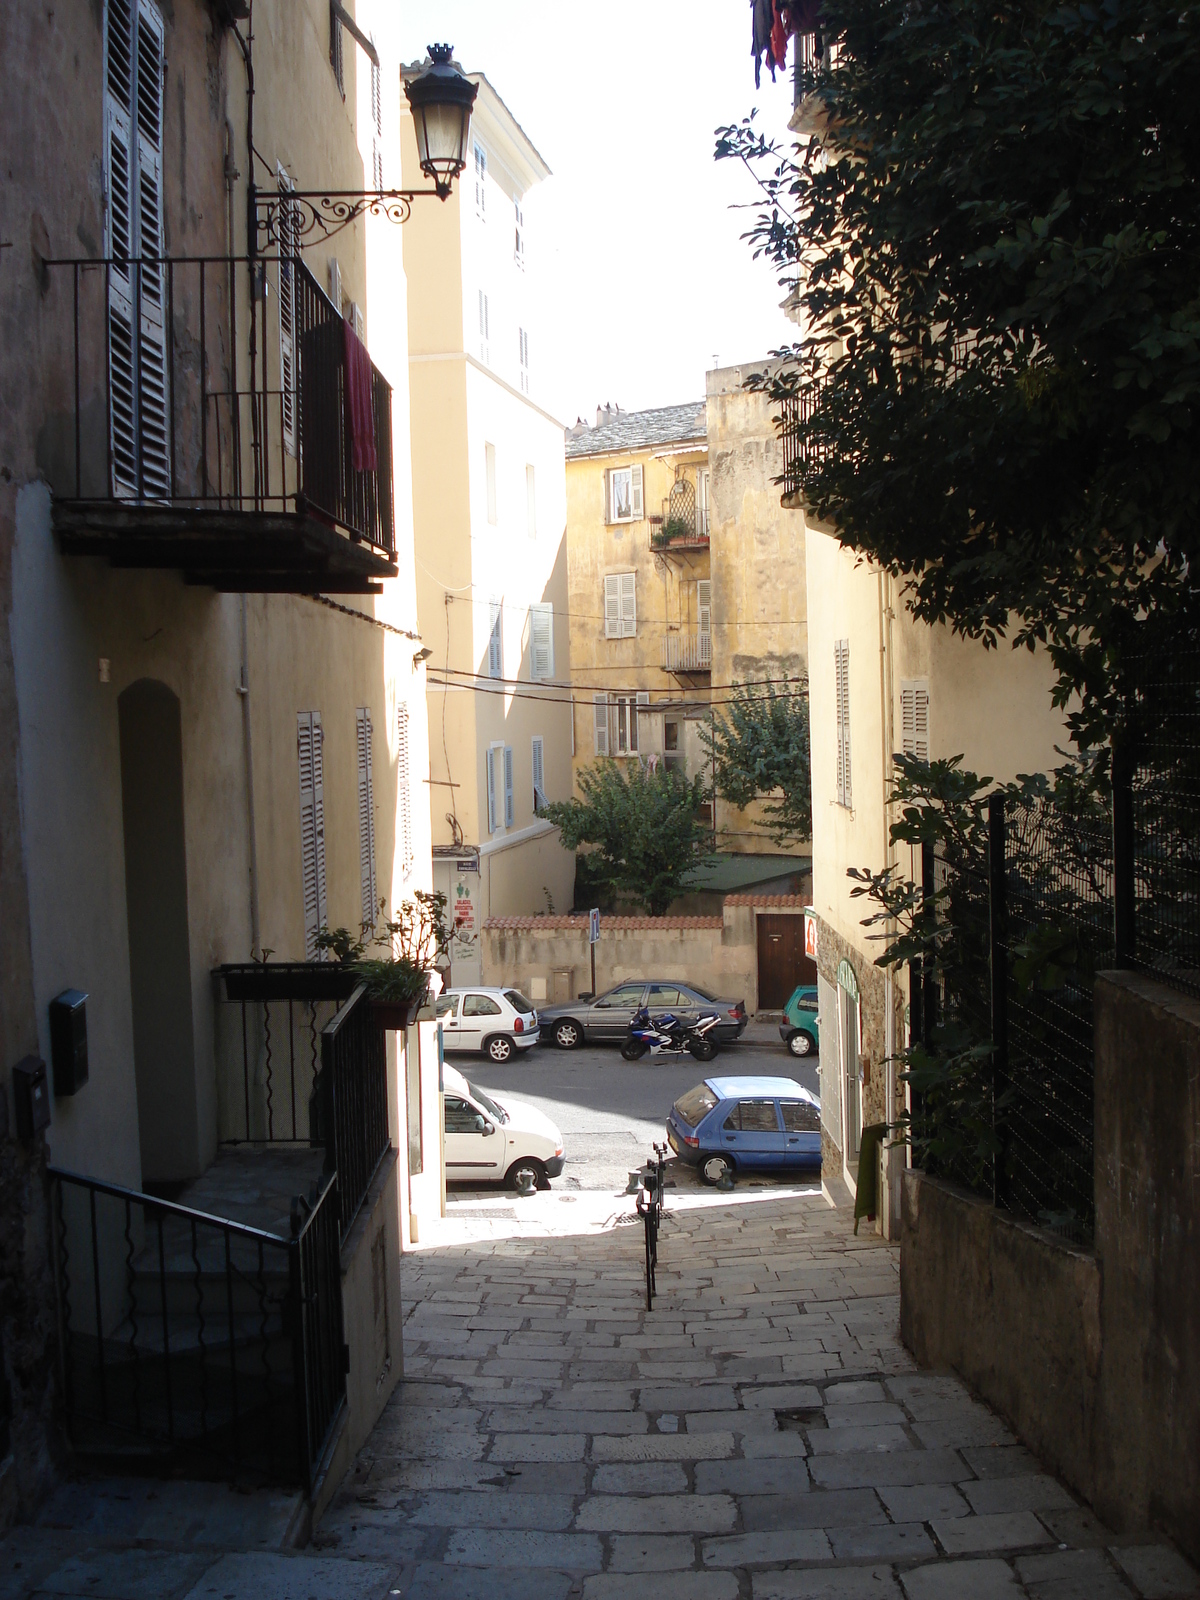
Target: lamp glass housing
[{"x": 441, "y": 97}]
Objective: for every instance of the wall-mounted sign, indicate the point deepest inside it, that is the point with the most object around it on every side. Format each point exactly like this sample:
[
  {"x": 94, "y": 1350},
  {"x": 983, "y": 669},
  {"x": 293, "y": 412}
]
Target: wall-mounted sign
[
  {"x": 594, "y": 926},
  {"x": 810, "y": 932}
]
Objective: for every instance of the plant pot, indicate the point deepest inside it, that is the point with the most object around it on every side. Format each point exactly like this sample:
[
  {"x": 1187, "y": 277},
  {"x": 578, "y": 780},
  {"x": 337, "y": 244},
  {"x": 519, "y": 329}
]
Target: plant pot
[{"x": 394, "y": 1014}]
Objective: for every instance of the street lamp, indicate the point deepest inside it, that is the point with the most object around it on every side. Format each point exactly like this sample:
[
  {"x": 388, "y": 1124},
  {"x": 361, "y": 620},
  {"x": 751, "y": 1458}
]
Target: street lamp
[{"x": 441, "y": 98}]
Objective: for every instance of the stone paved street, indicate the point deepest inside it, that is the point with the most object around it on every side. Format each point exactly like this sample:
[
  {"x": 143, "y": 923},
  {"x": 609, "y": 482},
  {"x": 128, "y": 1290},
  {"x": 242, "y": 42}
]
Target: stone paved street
[{"x": 761, "y": 1435}]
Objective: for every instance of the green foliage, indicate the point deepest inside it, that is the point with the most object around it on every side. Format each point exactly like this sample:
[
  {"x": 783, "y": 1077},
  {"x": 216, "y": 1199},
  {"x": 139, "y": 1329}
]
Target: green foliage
[
  {"x": 413, "y": 941},
  {"x": 761, "y": 751},
  {"x": 647, "y": 827},
  {"x": 997, "y": 255}
]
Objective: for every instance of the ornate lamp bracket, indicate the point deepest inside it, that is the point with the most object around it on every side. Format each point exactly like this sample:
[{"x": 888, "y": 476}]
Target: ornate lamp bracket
[{"x": 314, "y": 216}]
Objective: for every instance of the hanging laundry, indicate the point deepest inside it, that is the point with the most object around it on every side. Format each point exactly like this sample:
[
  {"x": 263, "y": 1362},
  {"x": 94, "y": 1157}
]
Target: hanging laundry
[
  {"x": 360, "y": 409},
  {"x": 762, "y": 13},
  {"x": 779, "y": 37}
]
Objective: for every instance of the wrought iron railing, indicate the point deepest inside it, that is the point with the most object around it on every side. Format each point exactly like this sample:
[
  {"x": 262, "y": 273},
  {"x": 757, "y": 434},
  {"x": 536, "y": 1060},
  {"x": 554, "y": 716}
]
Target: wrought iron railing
[
  {"x": 352, "y": 1096},
  {"x": 195, "y": 1341},
  {"x": 802, "y": 453},
  {"x": 212, "y": 383},
  {"x": 687, "y": 652}
]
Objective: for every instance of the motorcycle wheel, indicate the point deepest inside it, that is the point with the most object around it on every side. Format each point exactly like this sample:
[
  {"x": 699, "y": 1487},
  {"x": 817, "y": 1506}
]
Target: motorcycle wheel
[
  {"x": 632, "y": 1049},
  {"x": 703, "y": 1049}
]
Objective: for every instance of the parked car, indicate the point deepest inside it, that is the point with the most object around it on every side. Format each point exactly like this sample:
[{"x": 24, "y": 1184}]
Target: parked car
[
  {"x": 800, "y": 1029},
  {"x": 605, "y": 1019},
  {"x": 745, "y": 1125},
  {"x": 492, "y": 1141},
  {"x": 496, "y": 1021}
]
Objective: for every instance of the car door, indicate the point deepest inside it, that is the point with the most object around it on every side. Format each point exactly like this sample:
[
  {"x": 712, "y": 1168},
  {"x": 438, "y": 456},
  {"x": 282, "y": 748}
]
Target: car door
[
  {"x": 752, "y": 1134},
  {"x": 664, "y": 997},
  {"x": 608, "y": 1017},
  {"x": 479, "y": 1015},
  {"x": 801, "y": 1132},
  {"x": 471, "y": 1151},
  {"x": 447, "y": 1015}
]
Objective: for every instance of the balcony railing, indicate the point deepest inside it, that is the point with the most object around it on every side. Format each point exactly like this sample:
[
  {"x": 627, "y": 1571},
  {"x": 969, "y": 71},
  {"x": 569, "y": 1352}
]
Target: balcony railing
[
  {"x": 197, "y": 393},
  {"x": 800, "y": 454},
  {"x": 687, "y": 652}
]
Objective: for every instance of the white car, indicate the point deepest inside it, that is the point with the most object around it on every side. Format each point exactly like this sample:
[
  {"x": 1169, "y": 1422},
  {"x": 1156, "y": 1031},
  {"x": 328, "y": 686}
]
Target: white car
[
  {"x": 496, "y": 1021},
  {"x": 489, "y": 1140}
]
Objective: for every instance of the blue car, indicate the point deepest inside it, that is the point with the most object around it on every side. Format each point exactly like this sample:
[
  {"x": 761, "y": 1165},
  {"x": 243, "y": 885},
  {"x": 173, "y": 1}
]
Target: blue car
[{"x": 746, "y": 1125}]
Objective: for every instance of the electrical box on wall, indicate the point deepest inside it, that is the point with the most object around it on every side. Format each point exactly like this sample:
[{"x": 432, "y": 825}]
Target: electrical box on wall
[
  {"x": 68, "y": 1041},
  {"x": 31, "y": 1097}
]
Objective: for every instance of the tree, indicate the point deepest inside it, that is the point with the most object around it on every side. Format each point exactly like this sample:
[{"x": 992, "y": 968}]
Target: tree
[
  {"x": 997, "y": 250},
  {"x": 648, "y": 827},
  {"x": 760, "y": 749}
]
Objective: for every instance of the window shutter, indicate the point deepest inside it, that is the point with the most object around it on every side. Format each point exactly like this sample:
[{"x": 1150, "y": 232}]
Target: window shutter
[
  {"x": 600, "y": 716},
  {"x": 612, "y": 606},
  {"x": 152, "y": 382},
  {"x": 704, "y": 605},
  {"x": 539, "y": 776},
  {"x": 643, "y": 709},
  {"x": 541, "y": 641},
  {"x": 841, "y": 656},
  {"x": 122, "y": 397},
  {"x": 289, "y": 245},
  {"x": 508, "y": 786},
  {"x": 496, "y": 639},
  {"x": 309, "y": 742},
  {"x": 335, "y": 284},
  {"x": 914, "y": 720},
  {"x": 404, "y": 782},
  {"x": 636, "y": 496},
  {"x": 628, "y": 606},
  {"x": 366, "y": 818},
  {"x": 490, "y": 759}
]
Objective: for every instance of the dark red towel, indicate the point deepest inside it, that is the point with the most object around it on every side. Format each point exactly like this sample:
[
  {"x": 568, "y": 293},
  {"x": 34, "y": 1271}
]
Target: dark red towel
[{"x": 360, "y": 410}]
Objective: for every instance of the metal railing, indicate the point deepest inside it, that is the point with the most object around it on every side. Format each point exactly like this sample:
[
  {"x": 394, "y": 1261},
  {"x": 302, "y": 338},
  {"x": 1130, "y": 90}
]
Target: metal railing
[
  {"x": 211, "y": 383},
  {"x": 191, "y": 1340},
  {"x": 687, "y": 652},
  {"x": 802, "y": 453},
  {"x": 352, "y": 1101}
]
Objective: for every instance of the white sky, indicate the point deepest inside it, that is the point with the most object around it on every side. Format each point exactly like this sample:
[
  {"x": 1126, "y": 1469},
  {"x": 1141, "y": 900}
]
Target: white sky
[{"x": 644, "y": 275}]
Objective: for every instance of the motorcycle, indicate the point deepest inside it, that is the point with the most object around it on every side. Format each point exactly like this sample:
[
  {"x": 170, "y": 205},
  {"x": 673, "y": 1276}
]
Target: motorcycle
[{"x": 670, "y": 1036}]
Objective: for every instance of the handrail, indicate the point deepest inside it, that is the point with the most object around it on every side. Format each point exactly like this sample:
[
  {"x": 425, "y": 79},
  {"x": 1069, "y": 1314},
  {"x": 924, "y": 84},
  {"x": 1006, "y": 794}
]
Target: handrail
[{"x": 172, "y": 1207}]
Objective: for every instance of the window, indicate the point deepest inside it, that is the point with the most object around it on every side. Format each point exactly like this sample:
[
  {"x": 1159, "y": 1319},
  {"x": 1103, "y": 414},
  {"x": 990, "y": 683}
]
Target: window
[
  {"x": 627, "y": 723},
  {"x": 139, "y": 431},
  {"x": 539, "y": 774},
  {"x": 461, "y": 1115},
  {"x": 518, "y": 1001},
  {"x": 623, "y": 494},
  {"x": 666, "y": 994},
  {"x": 753, "y": 1116},
  {"x": 310, "y": 746},
  {"x": 495, "y": 639},
  {"x": 336, "y": 60},
  {"x": 376, "y": 123},
  {"x": 499, "y": 770},
  {"x": 479, "y": 1005},
  {"x": 404, "y": 791},
  {"x": 600, "y": 718},
  {"x": 702, "y": 503},
  {"x": 914, "y": 719},
  {"x": 412, "y": 1099},
  {"x": 480, "y": 182},
  {"x": 366, "y": 818},
  {"x": 620, "y": 606},
  {"x": 800, "y": 1117},
  {"x": 695, "y": 1105},
  {"x": 289, "y": 251},
  {"x": 489, "y": 457},
  {"x": 541, "y": 641},
  {"x": 670, "y": 736},
  {"x": 841, "y": 672},
  {"x": 622, "y": 999},
  {"x": 530, "y": 503},
  {"x": 519, "y": 237},
  {"x": 484, "y": 345},
  {"x": 447, "y": 1005},
  {"x": 523, "y": 342}
]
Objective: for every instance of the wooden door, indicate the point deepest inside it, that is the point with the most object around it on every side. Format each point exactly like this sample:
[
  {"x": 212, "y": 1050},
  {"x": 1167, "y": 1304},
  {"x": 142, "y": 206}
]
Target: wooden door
[{"x": 782, "y": 963}]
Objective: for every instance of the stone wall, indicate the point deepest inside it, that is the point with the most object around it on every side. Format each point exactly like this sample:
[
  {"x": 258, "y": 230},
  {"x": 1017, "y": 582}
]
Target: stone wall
[{"x": 1092, "y": 1356}]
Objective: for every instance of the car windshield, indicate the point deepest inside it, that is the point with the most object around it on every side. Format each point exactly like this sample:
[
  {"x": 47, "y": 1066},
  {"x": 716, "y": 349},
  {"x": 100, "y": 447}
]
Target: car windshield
[
  {"x": 518, "y": 1001},
  {"x": 488, "y": 1104},
  {"x": 695, "y": 1105}
]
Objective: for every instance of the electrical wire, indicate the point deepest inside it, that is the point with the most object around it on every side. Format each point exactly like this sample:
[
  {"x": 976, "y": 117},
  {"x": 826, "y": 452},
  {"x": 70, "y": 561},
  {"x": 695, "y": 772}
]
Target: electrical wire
[
  {"x": 528, "y": 692},
  {"x": 603, "y": 688}
]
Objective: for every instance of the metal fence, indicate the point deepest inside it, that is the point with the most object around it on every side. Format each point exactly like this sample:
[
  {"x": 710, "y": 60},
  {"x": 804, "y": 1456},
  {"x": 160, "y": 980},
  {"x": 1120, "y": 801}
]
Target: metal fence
[
  {"x": 352, "y": 1095},
  {"x": 193, "y": 1341}
]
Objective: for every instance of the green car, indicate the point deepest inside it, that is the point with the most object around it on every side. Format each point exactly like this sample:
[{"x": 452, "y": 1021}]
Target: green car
[{"x": 800, "y": 1029}]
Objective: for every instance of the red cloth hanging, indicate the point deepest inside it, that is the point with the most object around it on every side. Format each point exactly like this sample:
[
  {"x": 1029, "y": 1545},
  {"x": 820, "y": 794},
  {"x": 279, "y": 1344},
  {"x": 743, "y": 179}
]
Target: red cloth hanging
[
  {"x": 360, "y": 409},
  {"x": 779, "y": 38}
]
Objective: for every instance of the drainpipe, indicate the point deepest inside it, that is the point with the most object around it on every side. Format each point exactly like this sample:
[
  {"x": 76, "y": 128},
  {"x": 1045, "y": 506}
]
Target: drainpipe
[
  {"x": 243, "y": 690},
  {"x": 886, "y": 617}
]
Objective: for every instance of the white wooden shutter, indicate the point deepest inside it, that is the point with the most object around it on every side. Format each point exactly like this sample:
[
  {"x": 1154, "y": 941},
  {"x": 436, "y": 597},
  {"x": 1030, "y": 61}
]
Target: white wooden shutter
[
  {"x": 490, "y": 762},
  {"x": 841, "y": 655},
  {"x": 636, "y": 494},
  {"x": 335, "y": 284},
  {"x": 153, "y": 391},
  {"x": 600, "y": 717},
  {"x": 541, "y": 641},
  {"x": 508, "y": 786},
  {"x": 495, "y": 639},
  {"x": 704, "y": 605},
  {"x": 914, "y": 719},
  {"x": 612, "y": 606},
  {"x": 312, "y": 826},
  {"x": 366, "y": 818},
  {"x": 289, "y": 247},
  {"x": 404, "y": 791},
  {"x": 628, "y": 606},
  {"x": 539, "y": 774}
]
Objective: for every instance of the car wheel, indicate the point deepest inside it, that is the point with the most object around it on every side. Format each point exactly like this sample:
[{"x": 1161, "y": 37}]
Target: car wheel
[
  {"x": 714, "y": 1168},
  {"x": 799, "y": 1043},
  {"x": 528, "y": 1164},
  {"x": 703, "y": 1049},
  {"x": 499, "y": 1048},
  {"x": 568, "y": 1035},
  {"x": 634, "y": 1049}
]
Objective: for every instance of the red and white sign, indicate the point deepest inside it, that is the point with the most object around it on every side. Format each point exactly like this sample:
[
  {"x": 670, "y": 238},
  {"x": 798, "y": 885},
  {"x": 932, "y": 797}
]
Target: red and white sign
[{"x": 810, "y": 932}]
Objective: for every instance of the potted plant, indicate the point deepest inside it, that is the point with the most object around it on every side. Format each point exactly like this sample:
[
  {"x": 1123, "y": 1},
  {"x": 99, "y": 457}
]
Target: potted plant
[{"x": 397, "y": 981}]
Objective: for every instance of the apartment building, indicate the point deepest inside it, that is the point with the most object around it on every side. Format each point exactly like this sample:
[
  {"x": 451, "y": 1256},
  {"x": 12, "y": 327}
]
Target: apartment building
[{"x": 489, "y": 514}]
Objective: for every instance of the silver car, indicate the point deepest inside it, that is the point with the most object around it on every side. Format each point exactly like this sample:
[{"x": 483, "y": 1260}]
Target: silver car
[{"x": 605, "y": 1018}]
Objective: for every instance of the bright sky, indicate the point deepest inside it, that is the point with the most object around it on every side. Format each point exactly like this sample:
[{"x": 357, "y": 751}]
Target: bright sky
[{"x": 644, "y": 276}]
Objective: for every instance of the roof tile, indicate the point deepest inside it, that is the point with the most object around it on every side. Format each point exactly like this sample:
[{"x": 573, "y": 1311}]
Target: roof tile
[{"x": 640, "y": 430}]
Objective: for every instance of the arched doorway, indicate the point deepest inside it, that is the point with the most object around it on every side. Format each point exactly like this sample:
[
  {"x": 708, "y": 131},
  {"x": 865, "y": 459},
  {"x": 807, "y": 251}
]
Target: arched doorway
[{"x": 159, "y": 953}]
